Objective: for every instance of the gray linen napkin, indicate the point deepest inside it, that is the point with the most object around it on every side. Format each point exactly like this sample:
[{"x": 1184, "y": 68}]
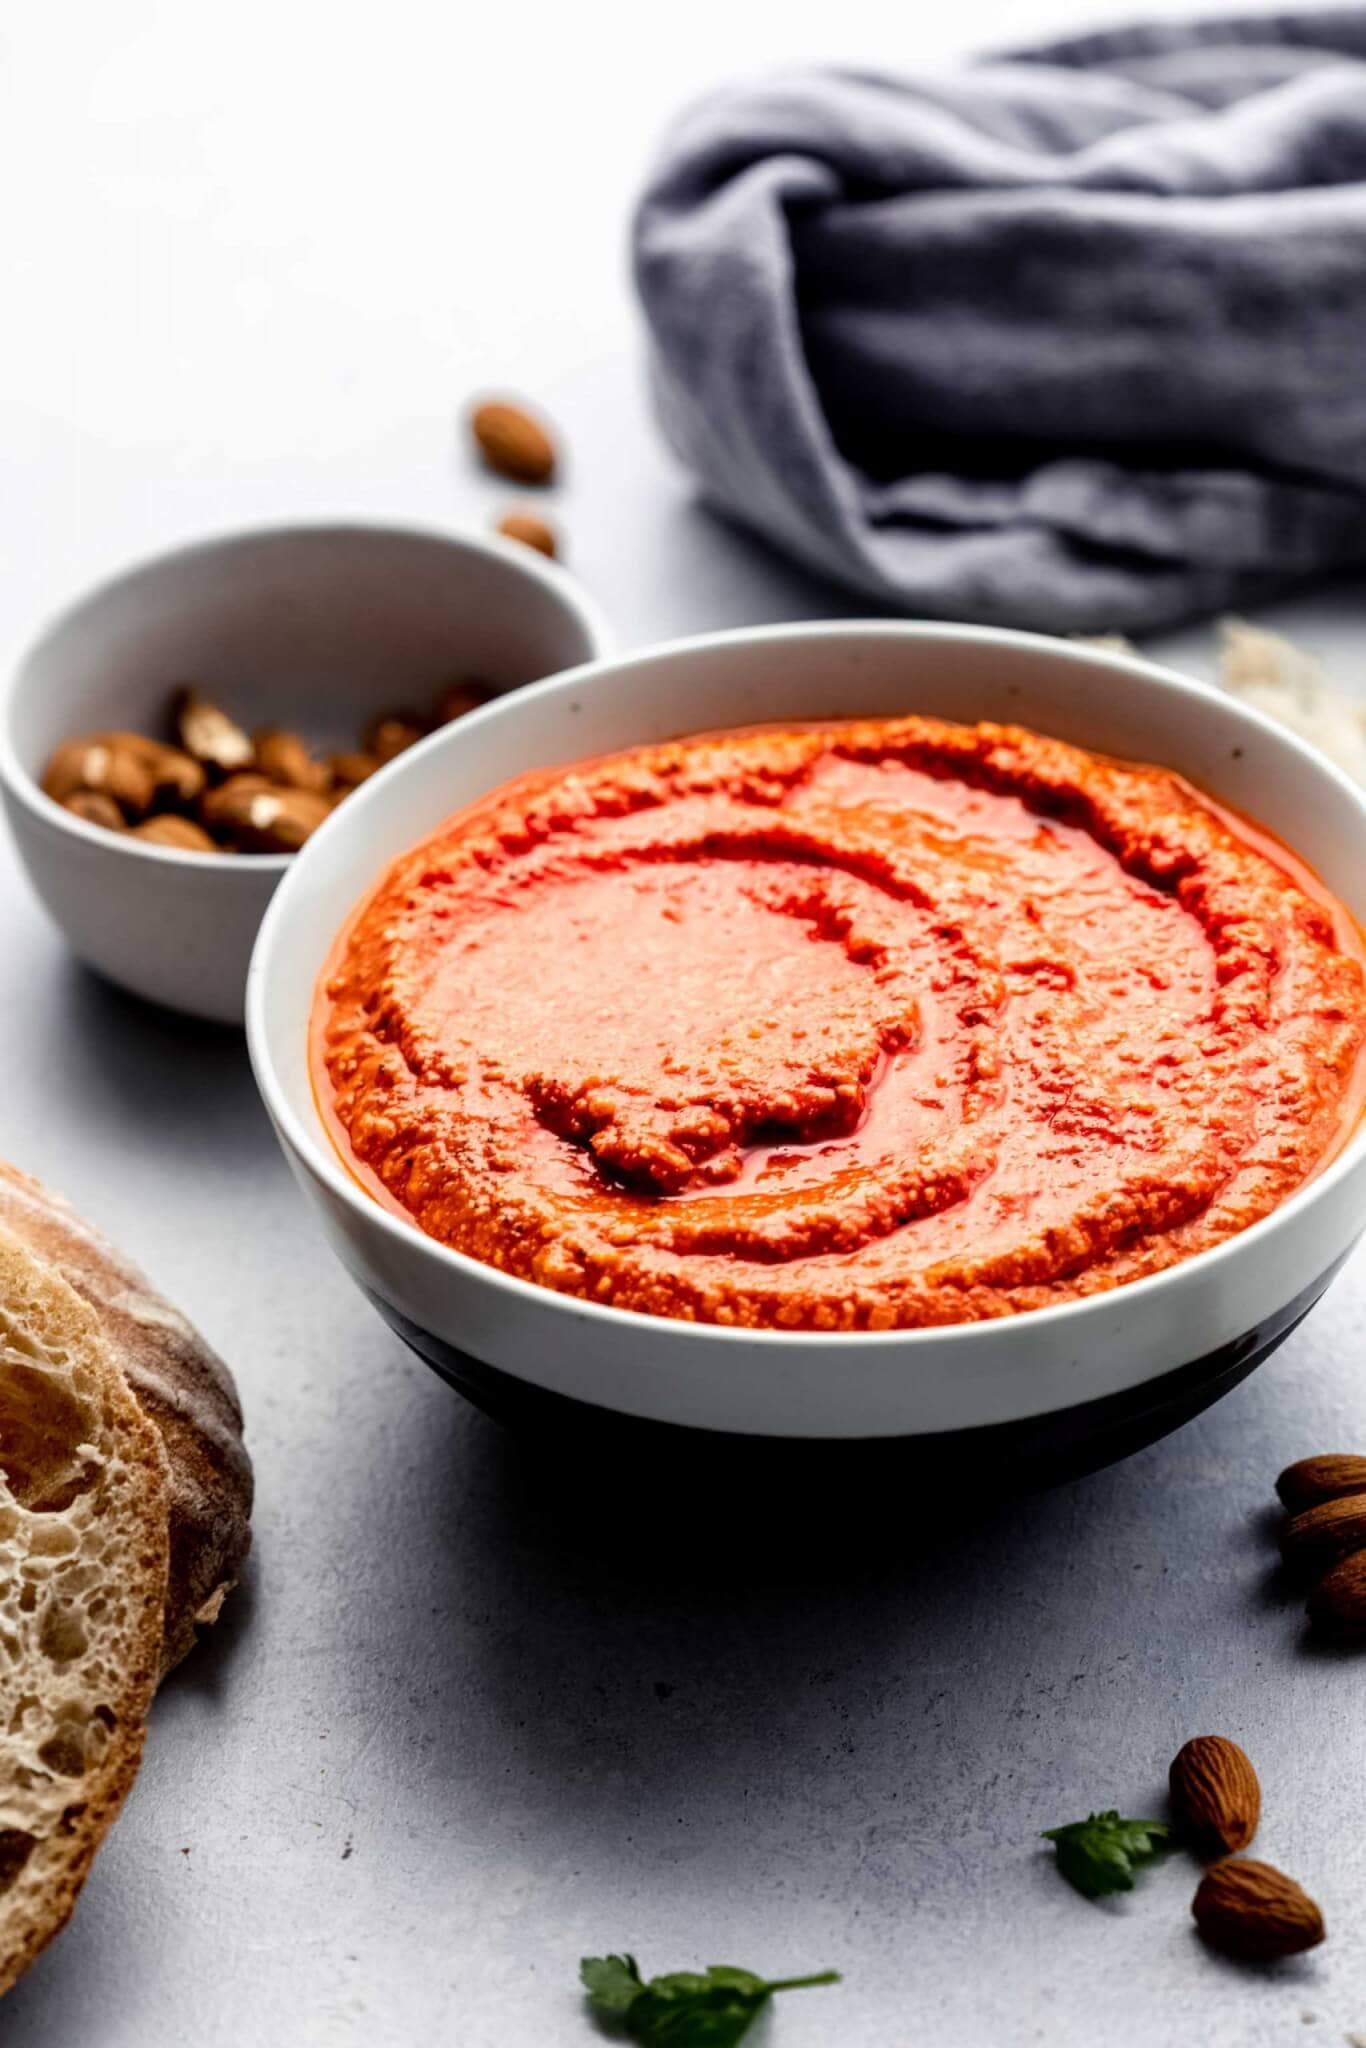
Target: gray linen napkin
[{"x": 1072, "y": 339}]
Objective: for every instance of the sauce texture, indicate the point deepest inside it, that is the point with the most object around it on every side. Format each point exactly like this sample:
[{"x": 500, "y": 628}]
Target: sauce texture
[{"x": 861, "y": 1026}]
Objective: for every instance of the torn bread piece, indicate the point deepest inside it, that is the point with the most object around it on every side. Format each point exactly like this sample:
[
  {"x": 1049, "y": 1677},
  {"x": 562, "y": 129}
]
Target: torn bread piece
[
  {"x": 1275, "y": 676},
  {"x": 83, "y": 1570},
  {"x": 1282, "y": 680},
  {"x": 181, "y": 1385}
]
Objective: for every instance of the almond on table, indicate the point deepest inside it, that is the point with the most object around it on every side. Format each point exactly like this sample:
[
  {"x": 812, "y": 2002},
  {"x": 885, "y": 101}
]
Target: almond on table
[
  {"x": 1337, "y": 1605},
  {"x": 1215, "y": 1795},
  {"x": 1326, "y": 1477},
  {"x": 531, "y": 530},
  {"x": 1253, "y": 1911},
  {"x": 512, "y": 442},
  {"x": 1326, "y": 1499},
  {"x": 1321, "y": 1535}
]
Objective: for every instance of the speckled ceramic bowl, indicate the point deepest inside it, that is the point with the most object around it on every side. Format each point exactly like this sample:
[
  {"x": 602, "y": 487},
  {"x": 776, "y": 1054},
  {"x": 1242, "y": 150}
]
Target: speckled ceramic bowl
[
  {"x": 313, "y": 627},
  {"x": 1060, "y": 1388}
]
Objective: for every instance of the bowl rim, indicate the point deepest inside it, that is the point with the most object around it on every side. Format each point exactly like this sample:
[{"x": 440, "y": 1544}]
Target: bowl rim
[
  {"x": 321, "y": 1160},
  {"x": 27, "y": 791}
]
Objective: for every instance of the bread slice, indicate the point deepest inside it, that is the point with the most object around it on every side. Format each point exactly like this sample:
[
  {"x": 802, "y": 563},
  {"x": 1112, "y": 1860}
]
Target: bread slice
[
  {"x": 83, "y": 1566},
  {"x": 182, "y": 1386}
]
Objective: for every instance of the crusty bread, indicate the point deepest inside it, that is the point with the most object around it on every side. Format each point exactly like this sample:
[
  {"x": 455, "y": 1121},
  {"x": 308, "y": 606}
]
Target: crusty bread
[
  {"x": 83, "y": 1564},
  {"x": 181, "y": 1385}
]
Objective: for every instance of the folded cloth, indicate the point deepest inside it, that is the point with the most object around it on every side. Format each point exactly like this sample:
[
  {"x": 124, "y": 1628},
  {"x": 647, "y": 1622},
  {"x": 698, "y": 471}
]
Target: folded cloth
[{"x": 1072, "y": 339}]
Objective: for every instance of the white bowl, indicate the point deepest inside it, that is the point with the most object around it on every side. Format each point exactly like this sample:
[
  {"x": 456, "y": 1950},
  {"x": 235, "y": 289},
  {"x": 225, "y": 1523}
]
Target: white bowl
[
  {"x": 312, "y": 627},
  {"x": 1101, "y": 1373}
]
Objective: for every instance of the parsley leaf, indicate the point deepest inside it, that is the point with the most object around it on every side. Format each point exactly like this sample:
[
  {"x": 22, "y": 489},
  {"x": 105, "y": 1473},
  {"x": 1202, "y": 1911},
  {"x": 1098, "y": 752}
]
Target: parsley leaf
[
  {"x": 612, "y": 1982},
  {"x": 1099, "y": 1855},
  {"x": 689, "y": 2009}
]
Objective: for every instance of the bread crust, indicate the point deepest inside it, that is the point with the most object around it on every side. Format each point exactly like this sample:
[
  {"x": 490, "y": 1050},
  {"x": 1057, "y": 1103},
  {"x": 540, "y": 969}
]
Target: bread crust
[
  {"x": 91, "y": 1539},
  {"x": 181, "y": 1385}
]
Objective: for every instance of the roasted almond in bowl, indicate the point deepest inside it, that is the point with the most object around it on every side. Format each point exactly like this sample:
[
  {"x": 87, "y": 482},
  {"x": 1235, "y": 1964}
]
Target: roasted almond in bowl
[
  {"x": 939, "y": 1073},
  {"x": 169, "y": 742},
  {"x": 214, "y": 787}
]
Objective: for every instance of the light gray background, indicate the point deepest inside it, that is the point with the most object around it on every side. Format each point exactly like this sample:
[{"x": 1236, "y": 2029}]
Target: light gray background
[{"x": 474, "y": 1716}]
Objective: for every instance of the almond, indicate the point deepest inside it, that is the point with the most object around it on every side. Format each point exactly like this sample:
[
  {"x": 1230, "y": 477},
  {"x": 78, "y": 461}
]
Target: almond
[
  {"x": 1215, "y": 1795},
  {"x": 531, "y": 530},
  {"x": 1323, "y": 1534},
  {"x": 1337, "y": 1605},
  {"x": 393, "y": 734},
  {"x": 284, "y": 757},
  {"x": 68, "y": 770},
  {"x": 209, "y": 734},
  {"x": 103, "y": 762},
  {"x": 177, "y": 779},
  {"x": 1251, "y": 1910},
  {"x": 220, "y": 808},
  {"x": 460, "y": 696},
  {"x": 96, "y": 808},
  {"x": 1326, "y": 1477},
  {"x": 270, "y": 820},
  {"x": 170, "y": 829},
  {"x": 349, "y": 770},
  {"x": 512, "y": 442}
]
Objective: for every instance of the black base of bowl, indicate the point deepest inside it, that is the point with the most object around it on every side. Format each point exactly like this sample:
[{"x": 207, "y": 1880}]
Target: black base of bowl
[{"x": 1041, "y": 1451}]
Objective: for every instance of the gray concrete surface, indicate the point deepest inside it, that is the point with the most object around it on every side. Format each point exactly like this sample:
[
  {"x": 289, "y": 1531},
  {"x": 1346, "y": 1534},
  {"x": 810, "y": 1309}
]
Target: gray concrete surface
[{"x": 476, "y": 1713}]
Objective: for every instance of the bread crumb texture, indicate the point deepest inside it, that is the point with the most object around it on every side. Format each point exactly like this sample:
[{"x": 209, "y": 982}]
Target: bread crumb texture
[
  {"x": 180, "y": 1384},
  {"x": 83, "y": 1568},
  {"x": 1288, "y": 684}
]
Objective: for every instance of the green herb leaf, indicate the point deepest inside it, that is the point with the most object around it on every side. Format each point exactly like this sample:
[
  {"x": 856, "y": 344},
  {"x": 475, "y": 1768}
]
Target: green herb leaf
[
  {"x": 1099, "y": 1855},
  {"x": 688, "y": 2009},
  {"x": 612, "y": 1982}
]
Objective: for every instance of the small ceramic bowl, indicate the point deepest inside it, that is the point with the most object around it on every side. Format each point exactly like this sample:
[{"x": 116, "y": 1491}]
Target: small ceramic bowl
[
  {"x": 316, "y": 628},
  {"x": 1032, "y": 1395}
]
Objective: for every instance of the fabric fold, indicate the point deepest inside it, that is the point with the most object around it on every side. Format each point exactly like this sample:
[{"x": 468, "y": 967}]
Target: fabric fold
[{"x": 1070, "y": 339}]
